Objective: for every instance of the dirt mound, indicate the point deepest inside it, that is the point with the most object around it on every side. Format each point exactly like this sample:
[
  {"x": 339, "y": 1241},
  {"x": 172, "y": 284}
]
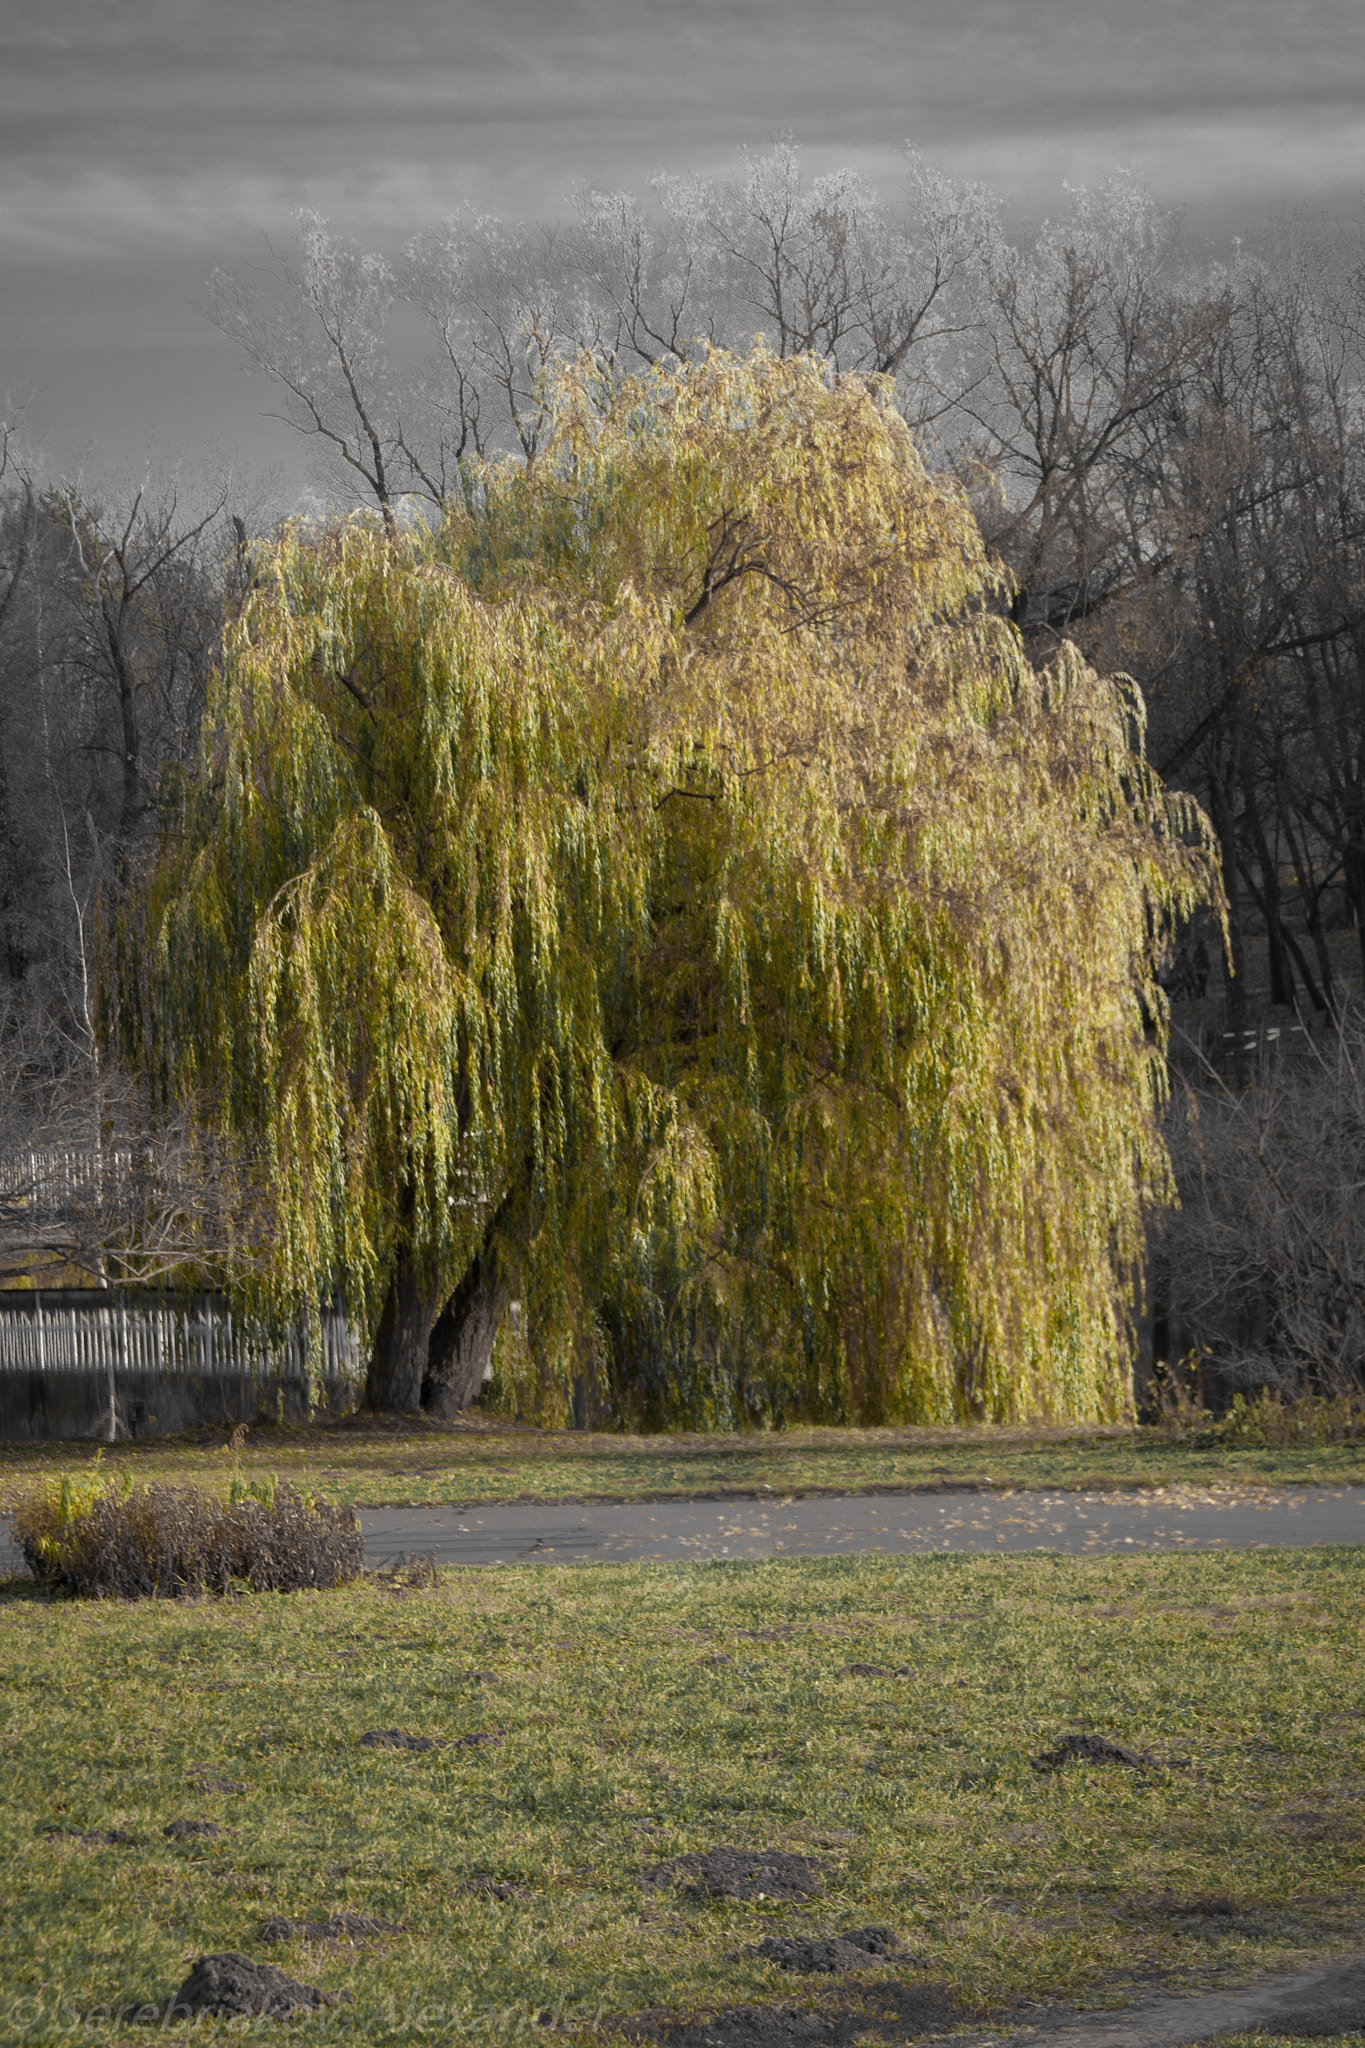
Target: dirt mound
[
  {"x": 825, "y": 1955},
  {"x": 194, "y": 1830},
  {"x": 231, "y": 1984},
  {"x": 727, "y": 1873},
  {"x": 351, "y": 1927},
  {"x": 815, "y": 1956}
]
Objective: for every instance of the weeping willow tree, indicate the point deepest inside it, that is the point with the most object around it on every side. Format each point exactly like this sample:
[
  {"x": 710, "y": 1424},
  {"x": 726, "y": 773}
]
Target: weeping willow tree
[{"x": 668, "y": 898}]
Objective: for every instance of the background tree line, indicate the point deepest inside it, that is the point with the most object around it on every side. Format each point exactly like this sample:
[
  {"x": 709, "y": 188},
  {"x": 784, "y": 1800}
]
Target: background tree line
[
  {"x": 111, "y": 614},
  {"x": 1163, "y": 453}
]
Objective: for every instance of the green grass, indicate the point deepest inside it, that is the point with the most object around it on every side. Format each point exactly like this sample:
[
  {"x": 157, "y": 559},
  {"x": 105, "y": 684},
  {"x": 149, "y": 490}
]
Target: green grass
[
  {"x": 621, "y": 1746},
  {"x": 367, "y": 1462}
]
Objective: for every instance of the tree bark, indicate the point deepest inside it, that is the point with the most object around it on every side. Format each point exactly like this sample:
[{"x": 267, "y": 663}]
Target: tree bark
[
  {"x": 398, "y": 1362},
  {"x": 1222, "y": 804},
  {"x": 460, "y": 1352},
  {"x": 1279, "y": 954}
]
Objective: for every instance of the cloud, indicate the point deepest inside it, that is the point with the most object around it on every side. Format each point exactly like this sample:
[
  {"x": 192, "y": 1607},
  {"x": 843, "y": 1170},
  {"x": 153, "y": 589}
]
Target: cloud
[
  {"x": 380, "y": 104},
  {"x": 142, "y": 141}
]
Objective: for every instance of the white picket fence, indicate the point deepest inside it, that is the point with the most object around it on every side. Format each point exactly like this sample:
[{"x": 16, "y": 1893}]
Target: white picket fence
[
  {"x": 203, "y": 1339},
  {"x": 54, "y": 1179}
]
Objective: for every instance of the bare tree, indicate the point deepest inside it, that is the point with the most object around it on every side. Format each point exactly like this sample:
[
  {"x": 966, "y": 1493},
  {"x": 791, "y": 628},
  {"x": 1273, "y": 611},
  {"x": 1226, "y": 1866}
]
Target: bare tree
[
  {"x": 1253, "y": 514},
  {"x": 142, "y": 624},
  {"x": 98, "y": 1182},
  {"x": 825, "y": 267},
  {"x": 1265, "y": 1258},
  {"x": 20, "y": 515},
  {"x": 320, "y": 336},
  {"x": 816, "y": 265},
  {"x": 652, "y": 284},
  {"x": 1080, "y": 341},
  {"x": 502, "y": 304}
]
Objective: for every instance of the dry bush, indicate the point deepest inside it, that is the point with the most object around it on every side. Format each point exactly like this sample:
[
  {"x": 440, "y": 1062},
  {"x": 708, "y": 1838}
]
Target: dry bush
[
  {"x": 93, "y": 1539},
  {"x": 1175, "y": 1404},
  {"x": 1264, "y": 1261},
  {"x": 1269, "y": 1421}
]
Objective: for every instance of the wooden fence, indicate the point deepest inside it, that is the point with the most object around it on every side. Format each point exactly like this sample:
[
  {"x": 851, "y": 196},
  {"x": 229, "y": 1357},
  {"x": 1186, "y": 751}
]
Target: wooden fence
[{"x": 81, "y": 1331}]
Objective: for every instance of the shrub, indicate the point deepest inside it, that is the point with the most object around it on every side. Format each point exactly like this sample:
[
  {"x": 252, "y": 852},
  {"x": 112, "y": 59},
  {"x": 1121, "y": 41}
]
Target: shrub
[
  {"x": 1270, "y": 1420},
  {"x": 92, "y": 1538}
]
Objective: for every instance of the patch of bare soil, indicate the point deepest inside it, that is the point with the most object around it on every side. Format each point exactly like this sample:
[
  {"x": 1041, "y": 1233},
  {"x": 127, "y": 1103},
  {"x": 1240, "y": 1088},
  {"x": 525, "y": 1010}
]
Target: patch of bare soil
[
  {"x": 728, "y": 1873},
  {"x": 396, "y": 1738},
  {"x": 1096, "y": 1749},
  {"x": 482, "y": 1884},
  {"x": 89, "y": 1838},
  {"x": 352, "y": 1927},
  {"x": 886, "y": 2012}
]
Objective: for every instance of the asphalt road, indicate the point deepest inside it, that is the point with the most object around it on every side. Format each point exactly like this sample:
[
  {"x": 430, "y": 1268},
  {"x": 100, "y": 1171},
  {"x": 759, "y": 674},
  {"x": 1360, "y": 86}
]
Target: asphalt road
[{"x": 894, "y": 1524}]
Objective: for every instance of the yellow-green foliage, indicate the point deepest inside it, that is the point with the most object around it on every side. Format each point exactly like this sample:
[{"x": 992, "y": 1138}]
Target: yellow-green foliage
[
  {"x": 677, "y": 852},
  {"x": 49, "y": 1516},
  {"x": 1269, "y": 1420}
]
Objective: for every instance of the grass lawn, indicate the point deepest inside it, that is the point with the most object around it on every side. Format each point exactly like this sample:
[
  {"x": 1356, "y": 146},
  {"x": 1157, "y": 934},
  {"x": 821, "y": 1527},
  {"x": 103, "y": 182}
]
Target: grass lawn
[
  {"x": 643, "y": 1713},
  {"x": 369, "y": 1462}
]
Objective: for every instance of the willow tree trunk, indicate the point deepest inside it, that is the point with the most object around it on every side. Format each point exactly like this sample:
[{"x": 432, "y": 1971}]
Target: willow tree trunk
[
  {"x": 460, "y": 1353},
  {"x": 398, "y": 1362},
  {"x": 434, "y": 1350}
]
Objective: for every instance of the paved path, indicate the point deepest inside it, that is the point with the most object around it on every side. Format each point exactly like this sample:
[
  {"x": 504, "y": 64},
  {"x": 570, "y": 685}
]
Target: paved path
[
  {"x": 1329, "y": 1999},
  {"x": 841, "y": 1525}
]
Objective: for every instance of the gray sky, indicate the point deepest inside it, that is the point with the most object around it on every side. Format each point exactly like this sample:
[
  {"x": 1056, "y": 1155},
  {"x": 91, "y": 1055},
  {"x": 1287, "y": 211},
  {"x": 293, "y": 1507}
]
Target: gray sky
[{"x": 143, "y": 141}]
